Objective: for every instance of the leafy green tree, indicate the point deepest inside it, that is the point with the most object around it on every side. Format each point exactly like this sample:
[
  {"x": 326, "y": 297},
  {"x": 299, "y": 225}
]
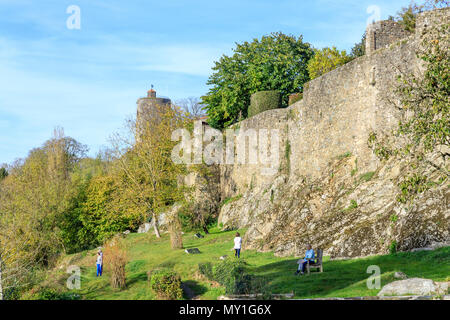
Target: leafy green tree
[
  {"x": 275, "y": 62},
  {"x": 105, "y": 212},
  {"x": 3, "y": 173},
  {"x": 359, "y": 49},
  {"x": 407, "y": 15},
  {"x": 325, "y": 60}
]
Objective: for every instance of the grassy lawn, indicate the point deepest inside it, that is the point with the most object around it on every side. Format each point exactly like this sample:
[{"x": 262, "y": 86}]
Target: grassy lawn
[{"x": 344, "y": 278}]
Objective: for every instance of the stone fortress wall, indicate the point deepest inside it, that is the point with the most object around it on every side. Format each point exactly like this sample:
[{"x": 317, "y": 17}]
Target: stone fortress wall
[{"x": 339, "y": 109}]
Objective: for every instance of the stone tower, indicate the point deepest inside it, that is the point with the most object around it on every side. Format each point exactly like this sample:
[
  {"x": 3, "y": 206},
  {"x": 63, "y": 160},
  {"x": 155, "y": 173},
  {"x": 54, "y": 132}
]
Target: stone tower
[{"x": 147, "y": 107}]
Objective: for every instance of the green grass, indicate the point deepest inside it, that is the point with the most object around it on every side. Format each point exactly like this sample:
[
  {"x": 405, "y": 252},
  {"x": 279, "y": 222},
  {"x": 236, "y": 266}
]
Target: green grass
[{"x": 343, "y": 278}]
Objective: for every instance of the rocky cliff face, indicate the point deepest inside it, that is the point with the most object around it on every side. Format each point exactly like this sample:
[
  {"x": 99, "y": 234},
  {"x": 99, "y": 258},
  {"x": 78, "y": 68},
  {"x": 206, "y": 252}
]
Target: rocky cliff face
[
  {"x": 330, "y": 190},
  {"x": 347, "y": 212}
]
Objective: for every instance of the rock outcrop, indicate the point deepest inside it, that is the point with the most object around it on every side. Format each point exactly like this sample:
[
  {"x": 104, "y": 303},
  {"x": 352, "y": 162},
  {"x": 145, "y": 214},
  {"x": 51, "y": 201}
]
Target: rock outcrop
[
  {"x": 347, "y": 214},
  {"x": 414, "y": 286}
]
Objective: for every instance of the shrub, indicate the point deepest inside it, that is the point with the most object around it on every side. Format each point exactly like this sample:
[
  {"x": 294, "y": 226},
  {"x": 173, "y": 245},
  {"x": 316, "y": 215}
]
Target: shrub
[
  {"x": 205, "y": 268},
  {"x": 115, "y": 261},
  {"x": 259, "y": 285},
  {"x": 166, "y": 284},
  {"x": 46, "y": 293},
  {"x": 393, "y": 247},
  {"x": 412, "y": 186},
  {"x": 264, "y": 100},
  {"x": 232, "y": 275}
]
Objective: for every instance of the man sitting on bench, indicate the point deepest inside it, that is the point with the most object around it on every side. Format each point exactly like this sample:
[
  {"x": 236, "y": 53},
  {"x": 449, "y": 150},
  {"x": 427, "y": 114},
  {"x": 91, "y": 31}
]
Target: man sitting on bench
[{"x": 309, "y": 256}]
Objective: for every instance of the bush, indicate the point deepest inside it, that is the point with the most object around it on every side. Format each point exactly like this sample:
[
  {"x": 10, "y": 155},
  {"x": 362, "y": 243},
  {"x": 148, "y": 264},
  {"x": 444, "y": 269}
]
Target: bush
[
  {"x": 393, "y": 247},
  {"x": 45, "y": 293},
  {"x": 166, "y": 284},
  {"x": 115, "y": 261},
  {"x": 264, "y": 100},
  {"x": 205, "y": 268},
  {"x": 232, "y": 274}
]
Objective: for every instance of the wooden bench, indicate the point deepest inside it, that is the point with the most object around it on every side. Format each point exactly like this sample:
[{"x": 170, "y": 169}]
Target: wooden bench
[{"x": 317, "y": 265}]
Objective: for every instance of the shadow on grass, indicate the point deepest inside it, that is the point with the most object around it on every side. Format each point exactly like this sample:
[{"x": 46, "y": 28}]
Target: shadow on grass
[
  {"x": 192, "y": 289},
  {"x": 137, "y": 277}
]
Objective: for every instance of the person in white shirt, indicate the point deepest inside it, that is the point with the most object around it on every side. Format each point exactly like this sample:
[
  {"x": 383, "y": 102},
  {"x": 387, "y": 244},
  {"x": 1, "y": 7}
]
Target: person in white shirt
[
  {"x": 99, "y": 263},
  {"x": 309, "y": 258},
  {"x": 237, "y": 245}
]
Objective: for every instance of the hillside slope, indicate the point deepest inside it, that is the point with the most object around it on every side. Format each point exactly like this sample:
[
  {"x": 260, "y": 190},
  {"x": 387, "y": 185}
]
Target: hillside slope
[{"x": 344, "y": 278}]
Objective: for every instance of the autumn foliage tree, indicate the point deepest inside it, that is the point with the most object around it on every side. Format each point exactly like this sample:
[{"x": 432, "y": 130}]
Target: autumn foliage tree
[
  {"x": 325, "y": 60},
  {"x": 143, "y": 158}
]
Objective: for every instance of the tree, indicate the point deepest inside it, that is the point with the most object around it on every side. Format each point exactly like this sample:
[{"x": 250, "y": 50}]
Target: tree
[
  {"x": 38, "y": 192},
  {"x": 428, "y": 97},
  {"x": 192, "y": 106},
  {"x": 359, "y": 49},
  {"x": 407, "y": 15},
  {"x": 18, "y": 257},
  {"x": 3, "y": 173},
  {"x": 325, "y": 60},
  {"x": 202, "y": 208},
  {"x": 175, "y": 231},
  {"x": 106, "y": 211},
  {"x": 143, "y": 157},
  {"x": 275, "y": 62}
]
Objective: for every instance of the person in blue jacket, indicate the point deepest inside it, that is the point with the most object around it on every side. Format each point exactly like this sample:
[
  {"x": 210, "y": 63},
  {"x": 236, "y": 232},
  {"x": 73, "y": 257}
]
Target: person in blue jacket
[{"x": 309, "y": 257}]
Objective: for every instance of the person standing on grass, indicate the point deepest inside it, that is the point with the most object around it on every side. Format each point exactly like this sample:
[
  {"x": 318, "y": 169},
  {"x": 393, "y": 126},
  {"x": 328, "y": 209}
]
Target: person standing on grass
[
  {"x": 237, "y": 245},
  {"x": 99, "y": 263},
  {"x": 309, "y": 258}
]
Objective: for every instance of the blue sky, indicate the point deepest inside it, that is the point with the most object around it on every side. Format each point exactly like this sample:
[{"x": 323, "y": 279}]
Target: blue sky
[{"x": 88, "y": 80}]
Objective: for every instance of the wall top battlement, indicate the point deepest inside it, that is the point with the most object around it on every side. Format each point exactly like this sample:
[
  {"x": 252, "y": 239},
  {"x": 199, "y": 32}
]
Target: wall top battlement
[
  {"x": 428, "y": 19},
  {"x": 381, "y": 34}
]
